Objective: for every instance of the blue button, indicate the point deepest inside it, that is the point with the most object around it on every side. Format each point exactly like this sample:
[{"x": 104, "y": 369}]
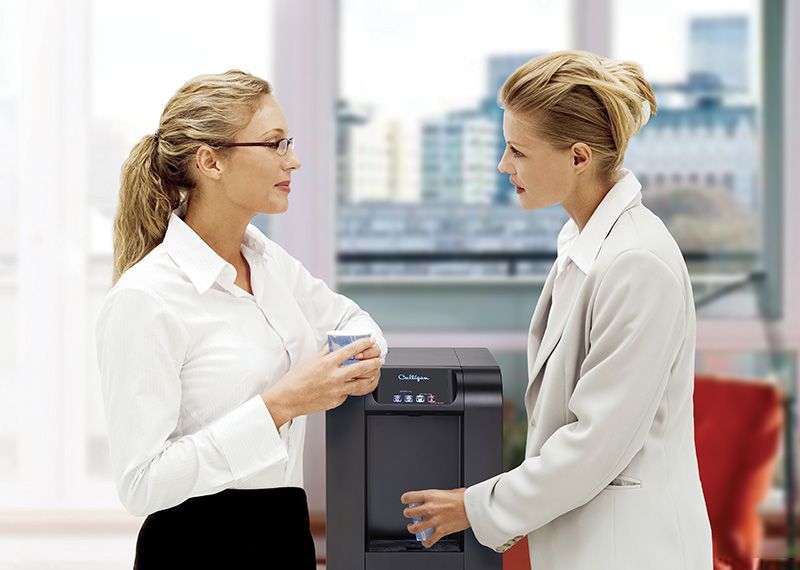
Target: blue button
[
  {"x": 408, "y": 398},
  {"x": 397, "y": 398}
]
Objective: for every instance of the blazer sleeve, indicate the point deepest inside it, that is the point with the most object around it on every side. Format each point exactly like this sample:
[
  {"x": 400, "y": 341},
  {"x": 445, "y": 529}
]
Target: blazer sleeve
[
  {"x": 325, "y": 309},
  {"x": 637, "y": 329},
  {"x": 141, "y": 346}
]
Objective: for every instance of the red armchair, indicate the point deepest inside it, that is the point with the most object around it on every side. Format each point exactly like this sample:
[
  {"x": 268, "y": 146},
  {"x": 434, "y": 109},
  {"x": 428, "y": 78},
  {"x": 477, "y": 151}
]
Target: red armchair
[{"x": 738, "y": 428}]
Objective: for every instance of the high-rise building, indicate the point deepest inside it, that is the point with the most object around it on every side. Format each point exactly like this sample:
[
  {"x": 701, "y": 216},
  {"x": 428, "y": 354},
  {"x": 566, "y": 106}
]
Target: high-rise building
[
  {"x": 459, "y": 158},
  {"x": 719, "y": 45},
  {"x": 499, "y": 68},
  {"x": 404, "y": 162},
  {"x": 347, "y": 119},
  {"x": 369, "y": 163},
  {"x": 377, "y": 158}
]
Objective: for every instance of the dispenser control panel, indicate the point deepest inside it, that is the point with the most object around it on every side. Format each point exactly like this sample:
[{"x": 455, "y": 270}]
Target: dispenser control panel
[{"x": 429, "y": 386}]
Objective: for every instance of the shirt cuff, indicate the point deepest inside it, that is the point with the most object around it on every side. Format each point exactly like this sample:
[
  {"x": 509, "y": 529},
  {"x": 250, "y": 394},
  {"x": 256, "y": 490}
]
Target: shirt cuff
[{"x": 249, "y": 439}]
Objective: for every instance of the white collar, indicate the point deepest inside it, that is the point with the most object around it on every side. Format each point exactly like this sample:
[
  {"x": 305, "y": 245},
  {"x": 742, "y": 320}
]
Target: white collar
[
  {"x": 583, "y": 247},
  {"x": 195, "y": 257}
]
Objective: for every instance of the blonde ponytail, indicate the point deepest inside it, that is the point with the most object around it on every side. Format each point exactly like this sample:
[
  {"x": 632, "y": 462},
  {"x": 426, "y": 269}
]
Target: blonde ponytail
[{"x": 144, "y": 207}]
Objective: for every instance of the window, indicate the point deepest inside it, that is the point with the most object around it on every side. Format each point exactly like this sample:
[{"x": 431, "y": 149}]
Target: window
[
  {"x": 707, "y": 135},
  {"x": 699, "y": 156},
  {"x": 442, "y": 140}
]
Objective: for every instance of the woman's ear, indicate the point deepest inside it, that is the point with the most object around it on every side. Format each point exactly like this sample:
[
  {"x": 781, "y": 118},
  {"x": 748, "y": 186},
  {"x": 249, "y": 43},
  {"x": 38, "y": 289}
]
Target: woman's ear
[
  {"x": 581, "y": 157},
  {"x": 207, "y": 162}
]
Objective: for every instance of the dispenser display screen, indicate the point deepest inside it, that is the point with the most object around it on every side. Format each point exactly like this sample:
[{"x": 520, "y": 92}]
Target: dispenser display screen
[{"x": 429, "y": 386}]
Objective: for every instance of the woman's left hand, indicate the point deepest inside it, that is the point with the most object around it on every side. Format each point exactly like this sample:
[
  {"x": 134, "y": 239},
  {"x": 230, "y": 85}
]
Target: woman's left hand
[{"x": 443, "y": 511}]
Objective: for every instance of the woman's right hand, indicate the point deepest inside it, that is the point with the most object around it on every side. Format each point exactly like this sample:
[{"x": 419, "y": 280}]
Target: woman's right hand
[{"x": 320, "y": 383}]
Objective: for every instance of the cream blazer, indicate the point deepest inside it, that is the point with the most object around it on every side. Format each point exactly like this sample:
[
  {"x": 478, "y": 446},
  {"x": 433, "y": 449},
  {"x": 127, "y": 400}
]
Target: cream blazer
[{"x": 610, "y": 478}]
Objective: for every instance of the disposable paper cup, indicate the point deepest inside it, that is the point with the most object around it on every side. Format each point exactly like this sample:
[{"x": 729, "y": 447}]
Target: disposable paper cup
[
  {"x": 339, "y": 339},
  {"x": 425, "y": 534}
]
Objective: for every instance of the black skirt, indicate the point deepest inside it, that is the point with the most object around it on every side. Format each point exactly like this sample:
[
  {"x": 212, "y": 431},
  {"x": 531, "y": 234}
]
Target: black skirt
[{"x": 235, "y": 528}]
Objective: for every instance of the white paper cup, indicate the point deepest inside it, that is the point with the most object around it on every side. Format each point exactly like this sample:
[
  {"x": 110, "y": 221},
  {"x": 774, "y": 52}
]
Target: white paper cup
[{"x": 339, "y": 339}]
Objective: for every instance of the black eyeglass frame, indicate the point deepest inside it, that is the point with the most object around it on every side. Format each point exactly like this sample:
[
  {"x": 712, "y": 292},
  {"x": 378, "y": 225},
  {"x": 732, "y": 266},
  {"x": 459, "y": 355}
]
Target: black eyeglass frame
[{"x": 275, "y": 145}]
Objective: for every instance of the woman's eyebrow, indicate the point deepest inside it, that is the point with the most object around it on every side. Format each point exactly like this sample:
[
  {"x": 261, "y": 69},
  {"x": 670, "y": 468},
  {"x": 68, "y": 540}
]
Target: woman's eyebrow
[{"x": 281, "y": 131}]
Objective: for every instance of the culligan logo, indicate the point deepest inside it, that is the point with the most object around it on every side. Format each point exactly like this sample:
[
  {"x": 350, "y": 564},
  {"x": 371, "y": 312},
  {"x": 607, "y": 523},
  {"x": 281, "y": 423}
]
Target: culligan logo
[{"x": 412, "y": 377}]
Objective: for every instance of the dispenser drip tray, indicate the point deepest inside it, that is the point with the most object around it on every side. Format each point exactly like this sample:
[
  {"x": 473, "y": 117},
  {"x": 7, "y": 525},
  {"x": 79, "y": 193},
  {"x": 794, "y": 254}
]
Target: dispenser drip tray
[{"x": 444, "y": 545}]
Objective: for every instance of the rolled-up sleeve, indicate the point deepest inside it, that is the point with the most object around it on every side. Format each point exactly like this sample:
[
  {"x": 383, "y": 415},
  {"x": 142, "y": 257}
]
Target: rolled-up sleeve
[
  {"x": 141, "y": 346},
  {"x": 325, "y": 309},
  {"x": 638, "y": 327}
]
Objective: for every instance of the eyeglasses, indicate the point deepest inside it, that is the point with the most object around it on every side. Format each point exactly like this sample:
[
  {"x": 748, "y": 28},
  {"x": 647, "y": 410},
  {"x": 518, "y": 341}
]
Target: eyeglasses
[{"x": 281, "y": 147}]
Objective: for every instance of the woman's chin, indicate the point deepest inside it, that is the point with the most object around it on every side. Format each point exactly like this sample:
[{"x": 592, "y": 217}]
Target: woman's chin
[
  {"x": 526, "y": 201},
  {"x": 275, "y": 207}
]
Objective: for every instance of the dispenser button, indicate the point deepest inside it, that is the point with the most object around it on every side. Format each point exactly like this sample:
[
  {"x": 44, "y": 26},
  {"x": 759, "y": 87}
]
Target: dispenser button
[
  {"x": 397, "y": 398},
  {"x": 408, "y": 398},
  {"x": 421, "y": 398},
  {"x": 431, "y": 399}
]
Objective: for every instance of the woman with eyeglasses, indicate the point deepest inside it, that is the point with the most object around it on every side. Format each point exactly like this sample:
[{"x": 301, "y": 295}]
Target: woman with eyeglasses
[
  {"x": 210, "y": 340},
  {"x": 610, "y": 478}
]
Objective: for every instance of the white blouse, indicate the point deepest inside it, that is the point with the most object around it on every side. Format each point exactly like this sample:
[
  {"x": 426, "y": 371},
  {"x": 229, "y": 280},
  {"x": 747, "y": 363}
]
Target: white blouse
[{"x": 184, "y": 356}]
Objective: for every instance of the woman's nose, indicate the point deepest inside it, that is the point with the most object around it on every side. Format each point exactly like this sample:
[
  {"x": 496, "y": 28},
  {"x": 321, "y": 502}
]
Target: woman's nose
[
  {"x": 291, "y": 161},
  {"x": 504, "y": 166}
]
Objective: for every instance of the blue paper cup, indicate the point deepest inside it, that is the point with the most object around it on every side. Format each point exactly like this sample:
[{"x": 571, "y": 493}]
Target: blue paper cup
[
  {"x": 425, "y": 534},
  {"x": 339, "y": 339}
]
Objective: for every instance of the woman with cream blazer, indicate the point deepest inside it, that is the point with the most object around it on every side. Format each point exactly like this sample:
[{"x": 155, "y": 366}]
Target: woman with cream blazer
[
  {"x": 610, "y": 478},
  {"x": 610, "y": 471}
]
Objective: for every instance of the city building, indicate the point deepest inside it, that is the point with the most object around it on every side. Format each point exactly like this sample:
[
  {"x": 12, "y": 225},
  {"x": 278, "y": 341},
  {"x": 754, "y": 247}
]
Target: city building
[
  {"x": 499, "y": 68},
  {"x": 459, "y": 159},
  {"x": 702, "y": 145},
  {"x": 719, "y": 45},
  {"x": 377, "y": 158}
]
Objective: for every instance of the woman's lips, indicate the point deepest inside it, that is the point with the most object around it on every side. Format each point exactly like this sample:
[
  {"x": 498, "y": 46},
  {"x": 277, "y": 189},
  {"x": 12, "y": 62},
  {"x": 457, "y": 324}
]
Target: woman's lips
[{"x": 520, "y": 190}]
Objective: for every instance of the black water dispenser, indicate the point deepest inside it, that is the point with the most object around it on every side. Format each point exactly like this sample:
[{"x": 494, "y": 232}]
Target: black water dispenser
[{"x": 434, "y": 422}]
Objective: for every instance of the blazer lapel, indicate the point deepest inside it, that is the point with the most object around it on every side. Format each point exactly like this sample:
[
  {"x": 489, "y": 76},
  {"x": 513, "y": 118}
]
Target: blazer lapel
[
  {"x": 544, "y": 335},
  {"x": 539, "y": 319}
]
